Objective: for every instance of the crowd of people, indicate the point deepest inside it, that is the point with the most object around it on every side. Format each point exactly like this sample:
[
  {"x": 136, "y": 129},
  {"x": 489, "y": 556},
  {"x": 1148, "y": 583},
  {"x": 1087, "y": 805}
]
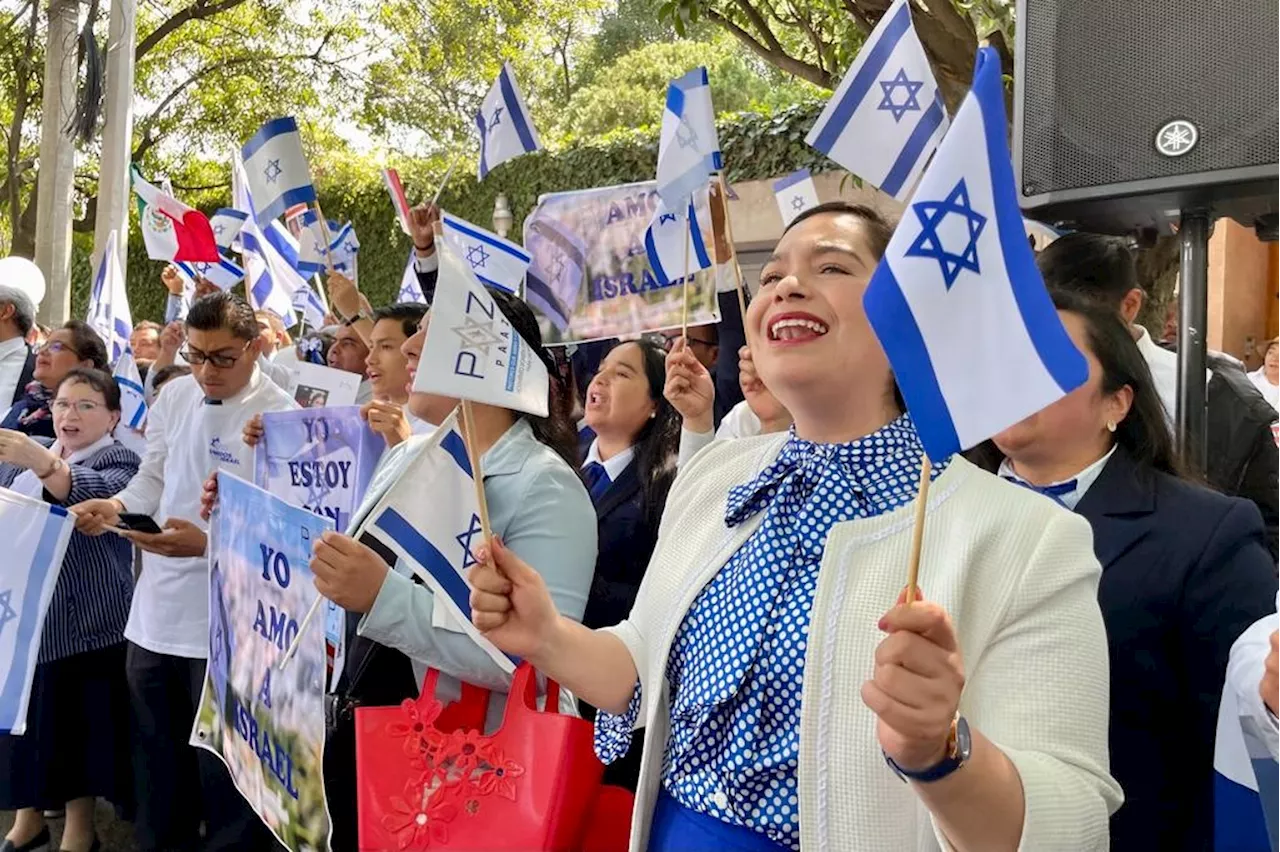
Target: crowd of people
[{"x": 705, "y": 542}]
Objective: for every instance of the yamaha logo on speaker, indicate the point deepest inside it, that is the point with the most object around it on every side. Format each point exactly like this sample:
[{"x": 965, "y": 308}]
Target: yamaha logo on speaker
[{"x": 1177, "y": 137}]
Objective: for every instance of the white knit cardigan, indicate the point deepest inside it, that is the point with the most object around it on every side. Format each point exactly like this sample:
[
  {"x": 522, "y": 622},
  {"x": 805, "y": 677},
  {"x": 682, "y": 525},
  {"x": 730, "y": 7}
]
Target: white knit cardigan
[{"x": 1018, "y": 576}]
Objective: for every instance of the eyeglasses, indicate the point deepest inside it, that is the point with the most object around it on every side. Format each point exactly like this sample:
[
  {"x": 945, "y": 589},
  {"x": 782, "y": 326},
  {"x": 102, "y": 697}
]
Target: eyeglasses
[
  {"x": 83, "y": 406},
  {"x": 669, "y": 341},
  {"x": 195, "y": 357},
  {"x": 53, "y": 347}
]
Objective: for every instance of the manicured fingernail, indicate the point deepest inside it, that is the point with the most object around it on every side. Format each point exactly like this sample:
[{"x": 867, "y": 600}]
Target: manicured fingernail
[{"x": 883, "y": 624}]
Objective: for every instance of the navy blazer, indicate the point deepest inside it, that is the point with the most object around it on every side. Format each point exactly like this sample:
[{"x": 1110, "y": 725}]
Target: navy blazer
[
  {"x": 626, "y": 540},
  {"x": 90, "y": 603},
  {"x": 1185, "y": 571}
]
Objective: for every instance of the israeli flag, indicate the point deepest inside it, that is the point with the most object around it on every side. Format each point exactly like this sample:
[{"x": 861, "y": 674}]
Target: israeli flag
[
  {"x": 312, "y": 253},
  {"x": 109, "y": 313},
  {"x": 471, "y": 350},
  {"x": 957, "y": 301},
  {"x": 506, "y": 129},
  {"x": 226, "y": 224},
  {"x": 431, "y": 520},
  {"x": 269, "y": 252},
  {"x": 306, "y": 301},
  {"x": 410, "y": 289},
  {"x": 676, "y": 242},
  {"x": 558, "y": 268},
  {"x": 224, "y": 274},
  {"x": 35, "y": 536},
  {"x": 344, "y": 249},
  {"x": 887, "y": 115},
  {"x": 133, "y": 399},
  {"x": 276, "y": 170},
  {"x": 495, "y": 261},
  {"x": 688, "y": 149},
  {"x": 795, "y": 194}
]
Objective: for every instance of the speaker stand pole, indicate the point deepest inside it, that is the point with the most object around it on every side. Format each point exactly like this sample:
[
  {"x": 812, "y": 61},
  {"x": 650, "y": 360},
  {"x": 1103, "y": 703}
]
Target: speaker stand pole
[{"x": 1193, "y": 303}]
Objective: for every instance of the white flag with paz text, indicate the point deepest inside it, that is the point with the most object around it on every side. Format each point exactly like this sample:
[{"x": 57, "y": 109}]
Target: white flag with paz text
[
  {"x": 471, "y": 350},
  {"x": 35, "y": 536},
  {"x": 886, "y": 116},
  {"x": 957, "y": 302}
]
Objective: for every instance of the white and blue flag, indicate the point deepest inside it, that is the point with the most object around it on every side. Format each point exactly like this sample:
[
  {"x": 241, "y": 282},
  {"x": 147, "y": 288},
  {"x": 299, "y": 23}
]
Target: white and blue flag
[
  {"x": 431, "y": 520},
  {"x": 226, "y": 224},
  {"x": 344, "y": 249},
  {"x": 957, "y": 302},
  {"x": 224, "y": 274},
  {"x": 35, "y": 536},
  {"x": 497, "y": 262},
  {"x": 312, "y": 243},
  {"x": 506, "y": 128},
  {"x": 270, "y": 255},
  {"x": 306, "y": 301},
  {"x": 887, "y": 115},
  {"x": 276, "y": 170},
  {"x": 410, "y": 289},
  {"x": 557, "y": 271},
  {"x": 688, "y": 149},
  {"x": 676, "y": 241},
  {"x": 795, "y": 194},
  {"x": 109, "y": 313}
]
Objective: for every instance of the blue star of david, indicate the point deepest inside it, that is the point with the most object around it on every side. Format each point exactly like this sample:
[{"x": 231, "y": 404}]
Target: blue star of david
[
  {"x": 350, "y": 247},
  {"x": 477, "y": 256},
  {"x": 407, "y": 293},
  {"x": 900, "y": 81},
  {"x": 797, "y": 203},
  {"x": 929, "y": 244},
  {"x": 218, "y": 229},
  {"x": 272, "y": 171},
  {"x": 6, "y": 611},
  {"x": 496, "y": 120},
  {"x": 203, "y": 268},
  {"x": 666, "y": 217},
  {"x": 688, "y": 138},
  {"x": 557, "y": 268},
  {"x": 319, "y": 247},
  {"x": 464, "y": 541}
]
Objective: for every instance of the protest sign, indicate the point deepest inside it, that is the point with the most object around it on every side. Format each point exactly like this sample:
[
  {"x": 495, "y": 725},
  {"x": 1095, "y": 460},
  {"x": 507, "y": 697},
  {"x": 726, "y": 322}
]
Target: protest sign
[
  {"x": 266, "y": 724},
  {"x": 35, "y": 536},
  {"x": 316, "y": 386},
  {"x": 590, "y": 277}
]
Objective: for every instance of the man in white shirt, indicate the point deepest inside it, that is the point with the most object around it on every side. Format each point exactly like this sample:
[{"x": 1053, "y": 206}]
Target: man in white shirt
[
  {"x": 17, "y": 362},
  {"x": 193, "y": 429},
  {"x": 272, "y": 338}
]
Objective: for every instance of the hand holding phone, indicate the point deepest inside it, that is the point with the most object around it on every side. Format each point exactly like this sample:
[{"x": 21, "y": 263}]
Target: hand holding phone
[{"x": 139, "y": 523}]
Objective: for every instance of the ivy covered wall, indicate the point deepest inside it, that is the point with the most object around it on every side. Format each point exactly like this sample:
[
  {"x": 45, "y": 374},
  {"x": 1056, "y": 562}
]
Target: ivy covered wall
[{"x": 755, "y": 146}]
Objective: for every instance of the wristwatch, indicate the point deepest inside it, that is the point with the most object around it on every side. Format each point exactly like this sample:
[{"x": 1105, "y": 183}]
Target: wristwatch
[
  {"x": 959, "y": 745},
  {"x": 57, "y": 465}
]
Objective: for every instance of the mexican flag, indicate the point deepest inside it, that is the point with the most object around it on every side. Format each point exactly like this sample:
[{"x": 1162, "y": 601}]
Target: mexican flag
[{"x": 171, "y": 229}]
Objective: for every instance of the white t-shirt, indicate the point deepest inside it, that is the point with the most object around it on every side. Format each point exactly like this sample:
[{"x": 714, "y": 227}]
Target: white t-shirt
[
  {"x": 13, "y": 357},
  {"x": 1270, "y": 391},
  {"x": 187, "y": 439},
  {"x": 1164, "y": 372}
]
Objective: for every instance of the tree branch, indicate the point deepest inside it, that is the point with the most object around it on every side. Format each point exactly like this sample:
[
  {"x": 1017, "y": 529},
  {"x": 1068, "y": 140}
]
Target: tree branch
[
  {"x": 197, "y": 11},
  {"x": 779, "y": 58},
  {"x": 761, "y": 25}
]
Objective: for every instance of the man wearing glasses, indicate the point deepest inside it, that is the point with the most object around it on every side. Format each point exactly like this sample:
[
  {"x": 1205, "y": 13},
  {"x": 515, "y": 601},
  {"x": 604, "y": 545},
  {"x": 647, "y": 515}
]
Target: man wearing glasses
[
  {"x": 703, "y": 342},
  {"x": 193, "y": 429}
]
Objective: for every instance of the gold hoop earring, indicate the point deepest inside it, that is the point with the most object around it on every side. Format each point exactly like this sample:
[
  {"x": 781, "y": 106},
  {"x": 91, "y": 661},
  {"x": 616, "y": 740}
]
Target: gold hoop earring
[{"x": 1111, "y": 425}]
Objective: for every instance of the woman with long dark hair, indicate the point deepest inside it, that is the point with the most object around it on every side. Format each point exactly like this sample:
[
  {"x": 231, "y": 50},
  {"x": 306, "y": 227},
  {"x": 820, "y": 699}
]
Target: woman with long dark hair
[
  {"x": 71, "y": 345},
  {"x": 1185, "y": 572}
]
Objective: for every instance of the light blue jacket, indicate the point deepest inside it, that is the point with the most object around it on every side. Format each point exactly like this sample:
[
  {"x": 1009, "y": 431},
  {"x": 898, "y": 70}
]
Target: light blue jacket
[{"x": 541, "y": 510}]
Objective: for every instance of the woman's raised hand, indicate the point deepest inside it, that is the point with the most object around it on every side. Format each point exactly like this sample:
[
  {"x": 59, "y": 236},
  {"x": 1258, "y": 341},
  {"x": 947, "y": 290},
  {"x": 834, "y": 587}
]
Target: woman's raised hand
[
  {"x": 689, "y": 388},
  {"x": 510, "y": 603}
]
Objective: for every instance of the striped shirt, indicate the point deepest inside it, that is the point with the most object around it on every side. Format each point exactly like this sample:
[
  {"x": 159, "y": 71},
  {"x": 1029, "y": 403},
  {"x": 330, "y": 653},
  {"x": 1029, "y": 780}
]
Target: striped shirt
[{"x": 90, "y": 603}]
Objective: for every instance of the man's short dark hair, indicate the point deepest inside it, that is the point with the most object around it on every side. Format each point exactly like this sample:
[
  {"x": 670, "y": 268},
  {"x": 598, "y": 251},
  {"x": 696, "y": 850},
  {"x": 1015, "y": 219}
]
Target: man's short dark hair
[
  {"x": 86, "y": 342},
  {"x": 167, "y": 374},
  {"x": 100, "y": 380},
  {"x": 1095, "y": 266},
  {"x": 223, "y": 310},
  {"x": 409, "y": 315}
]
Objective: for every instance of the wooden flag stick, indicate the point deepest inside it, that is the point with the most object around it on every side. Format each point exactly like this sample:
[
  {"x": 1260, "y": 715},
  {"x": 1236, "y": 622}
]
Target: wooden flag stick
[
  {"x": 684, "y": 284},
  {"x": 728, "y": 234},
  {"x": 453, "y": 161},
  {"x": 917, "y": 532},
  {"x": 328, "y": 238},
  {"x": 467, "y": 419},
  {"x": 302, "y": 629}
]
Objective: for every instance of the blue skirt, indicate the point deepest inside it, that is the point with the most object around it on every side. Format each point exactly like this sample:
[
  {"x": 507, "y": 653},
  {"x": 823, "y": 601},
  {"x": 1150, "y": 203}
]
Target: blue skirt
[{"x": 676, "y": 828}]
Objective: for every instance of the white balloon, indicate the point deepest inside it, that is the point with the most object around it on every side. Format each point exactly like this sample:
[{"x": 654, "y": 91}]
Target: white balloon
[{"x": 24, "y": 275}]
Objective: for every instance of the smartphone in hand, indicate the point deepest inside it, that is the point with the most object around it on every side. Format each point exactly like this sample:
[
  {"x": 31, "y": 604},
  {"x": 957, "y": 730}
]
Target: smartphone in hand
[{"x": 139, "y": 523}]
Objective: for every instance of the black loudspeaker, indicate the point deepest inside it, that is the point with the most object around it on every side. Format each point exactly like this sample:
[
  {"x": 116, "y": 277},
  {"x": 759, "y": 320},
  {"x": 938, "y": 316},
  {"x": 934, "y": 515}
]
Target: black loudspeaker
[{"x": 1128, "y": 111}]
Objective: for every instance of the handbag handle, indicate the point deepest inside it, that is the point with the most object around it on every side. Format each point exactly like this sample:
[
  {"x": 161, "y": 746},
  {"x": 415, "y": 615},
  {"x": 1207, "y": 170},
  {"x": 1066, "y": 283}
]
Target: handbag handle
[
  {"x": 523, "y": 697},
  {"x": 471, "y": 708}
]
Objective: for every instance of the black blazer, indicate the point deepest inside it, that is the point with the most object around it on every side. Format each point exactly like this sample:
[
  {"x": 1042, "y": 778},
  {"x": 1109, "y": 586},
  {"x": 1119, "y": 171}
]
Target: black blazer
[
  {"x": 26, "y": 377},
  {"x": 626, "y": 541},
  {"x": 1184, "y": 571},
  {"x": 427, "y": 284}
]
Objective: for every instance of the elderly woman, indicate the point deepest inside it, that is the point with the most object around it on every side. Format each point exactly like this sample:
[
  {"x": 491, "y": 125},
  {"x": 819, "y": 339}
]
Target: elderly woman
[
  {"x": 74, "y": 749},
  {"x": 73, "y": 344},
  {"x": 788, "y": 702}
]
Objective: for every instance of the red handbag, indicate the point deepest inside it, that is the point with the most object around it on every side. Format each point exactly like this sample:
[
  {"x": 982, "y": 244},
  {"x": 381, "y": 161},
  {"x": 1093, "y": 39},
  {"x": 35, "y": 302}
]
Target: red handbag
[{"x": 428, "y": 778}]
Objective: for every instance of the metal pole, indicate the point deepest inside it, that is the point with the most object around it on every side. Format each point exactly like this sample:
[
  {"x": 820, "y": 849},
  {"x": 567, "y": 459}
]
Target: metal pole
[
  {"x": 117, "y": 131},
  {"x": 1193, "y": 303}
]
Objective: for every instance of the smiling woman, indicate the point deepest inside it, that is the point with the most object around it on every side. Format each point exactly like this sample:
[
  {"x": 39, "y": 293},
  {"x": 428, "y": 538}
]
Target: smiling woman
[{"x": 785, "y": 694}]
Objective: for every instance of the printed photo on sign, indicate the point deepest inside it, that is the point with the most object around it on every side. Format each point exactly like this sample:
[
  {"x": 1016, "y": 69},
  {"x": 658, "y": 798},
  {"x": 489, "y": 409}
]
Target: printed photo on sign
[
  {"x": 591, "y": 277},
  {"x": 316, "y": 385},
  {"x": 266, "y": 724}
]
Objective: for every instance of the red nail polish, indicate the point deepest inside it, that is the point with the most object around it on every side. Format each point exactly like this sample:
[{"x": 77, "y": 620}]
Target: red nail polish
[{"x": 882, "y": 624}]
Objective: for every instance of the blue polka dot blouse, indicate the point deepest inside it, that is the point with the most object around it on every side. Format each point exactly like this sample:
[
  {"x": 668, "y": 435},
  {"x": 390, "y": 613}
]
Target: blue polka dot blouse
[{"x": 736, "y": 667}]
